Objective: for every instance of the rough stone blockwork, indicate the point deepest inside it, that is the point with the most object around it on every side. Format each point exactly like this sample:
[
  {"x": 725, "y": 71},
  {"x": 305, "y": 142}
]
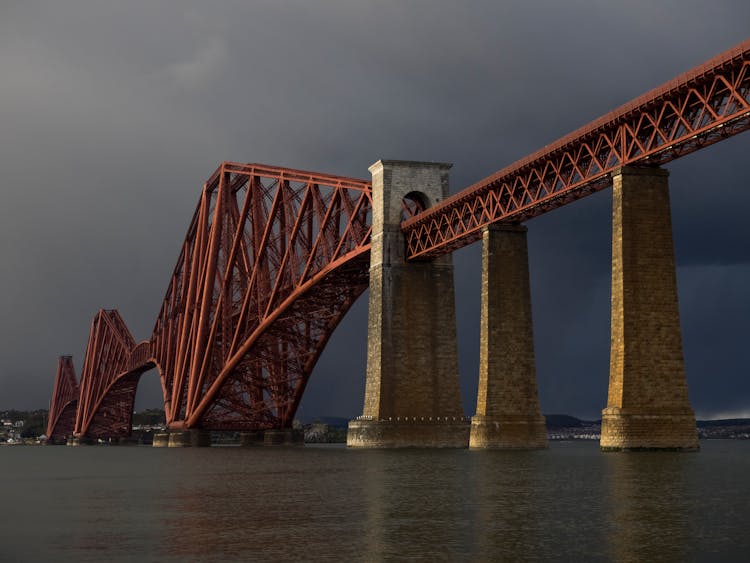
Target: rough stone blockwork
[
  {"x": 508, "y": 414},
  {"x": 412, "y": 359},
  {"x": 648, "y": 406}
]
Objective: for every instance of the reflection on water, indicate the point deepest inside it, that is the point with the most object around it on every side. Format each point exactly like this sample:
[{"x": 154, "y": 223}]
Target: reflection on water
[
  {"x": 506, "y": 496},
  {"x": 263, "y": 504},
  {"x": 325, "y": 503},
  {"x": 422, "y": 513},
  {"x": 650, "y": 515}
]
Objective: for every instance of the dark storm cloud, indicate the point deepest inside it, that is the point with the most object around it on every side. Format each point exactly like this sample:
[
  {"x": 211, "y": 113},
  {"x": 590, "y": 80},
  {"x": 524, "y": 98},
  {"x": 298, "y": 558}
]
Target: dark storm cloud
[{"x": 112, "y": 115}]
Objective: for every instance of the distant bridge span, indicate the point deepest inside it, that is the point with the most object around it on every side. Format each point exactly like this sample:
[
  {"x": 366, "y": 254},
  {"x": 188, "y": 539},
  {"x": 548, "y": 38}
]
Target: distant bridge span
[{"x": 274, "y": 258}]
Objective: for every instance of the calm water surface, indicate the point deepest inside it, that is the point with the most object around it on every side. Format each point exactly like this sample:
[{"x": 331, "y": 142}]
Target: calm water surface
[{"x": 570, "y": 503}]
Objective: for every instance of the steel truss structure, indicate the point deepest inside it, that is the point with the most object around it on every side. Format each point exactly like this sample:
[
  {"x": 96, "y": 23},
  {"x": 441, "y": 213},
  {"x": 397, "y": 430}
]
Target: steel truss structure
[
  {"x": 272, "y": 261},
  {"x": 697, "y": 109},
  {"x": 62, "y": 408},
  {"x": 274, "y": 258},
  {"x": 111, "y": 370}
]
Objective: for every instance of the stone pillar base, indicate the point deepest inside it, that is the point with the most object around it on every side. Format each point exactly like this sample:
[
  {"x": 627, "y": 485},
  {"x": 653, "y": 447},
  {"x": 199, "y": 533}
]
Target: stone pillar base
[
  {"x": 508, "y": 433},
  {"x": 189, "y": 438},
  {"x": 628, "y": 431},
  {"x": 83, "y": 441},
  {"x": 286, "y": 437},
  {"x": 161, "y": 440},
  {"x": 251, "y": 439},
  {"x": 440, "y": 432},
  {"x": 56, "y": 442},
  {"x": 179, "y": 439}
]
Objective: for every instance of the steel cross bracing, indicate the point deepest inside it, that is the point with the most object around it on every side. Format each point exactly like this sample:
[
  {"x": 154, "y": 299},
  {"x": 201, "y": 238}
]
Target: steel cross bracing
[
  {"x": 62, "y": 409},
  {"x": 699, "y": 108},
  {"x": 272, "y": 261}
]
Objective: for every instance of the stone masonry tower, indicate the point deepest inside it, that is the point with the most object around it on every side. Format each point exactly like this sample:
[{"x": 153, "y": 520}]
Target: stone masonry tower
[
  {"x": 411, "y": 393},
  {"x": 508, "y": 414},
  {"x": 648, "y": 406}
]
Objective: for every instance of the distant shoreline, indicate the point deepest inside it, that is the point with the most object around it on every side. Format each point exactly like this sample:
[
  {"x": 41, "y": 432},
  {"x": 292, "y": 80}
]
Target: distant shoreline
[{"x": 333, "y": 430}]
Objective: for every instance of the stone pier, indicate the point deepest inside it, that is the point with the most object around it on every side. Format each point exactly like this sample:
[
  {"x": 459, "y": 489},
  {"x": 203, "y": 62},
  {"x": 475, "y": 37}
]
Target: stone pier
[
  {"x": 411, "y": 394},
  {"x": 508, "y": 414},
  {"x": 647, "y": 406},
  {"x": 284, "y": 437},
  {"x": 195, "y": 438},
  {"x": 161, "y": 440},
  {"x": 251, "y": 438},
  {"x": 80, "y": 441}
]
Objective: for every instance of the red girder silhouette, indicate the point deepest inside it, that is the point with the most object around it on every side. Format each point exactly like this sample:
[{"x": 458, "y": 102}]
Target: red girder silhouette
[
  {"x": 273, "y": 259},
  {"x": 62, "y": 409},
  {"x": 699, "y": 108}
]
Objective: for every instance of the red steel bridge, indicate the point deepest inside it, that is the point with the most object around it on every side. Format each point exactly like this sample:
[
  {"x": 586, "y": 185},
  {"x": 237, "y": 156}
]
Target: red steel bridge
[{"x": 273, "y": 259}]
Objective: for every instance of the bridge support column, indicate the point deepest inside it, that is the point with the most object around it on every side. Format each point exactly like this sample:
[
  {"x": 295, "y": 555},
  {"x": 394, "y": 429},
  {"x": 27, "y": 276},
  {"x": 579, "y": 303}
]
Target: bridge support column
[
  {"x": 285, "y": 437},
  {"x": 412, "y": 396},
  {"x": 161, "y": 440},
  {"x": 647, "y": 406},
  {"x": 508, "y": 414},
  {"x": 80, "y": 441},
  {"x": 251, "y": 438},
  {"x": 189, "y": 438}
]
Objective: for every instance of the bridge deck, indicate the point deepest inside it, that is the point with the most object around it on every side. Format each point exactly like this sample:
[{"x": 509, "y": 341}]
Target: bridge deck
[{"x": 698, "y": 108}]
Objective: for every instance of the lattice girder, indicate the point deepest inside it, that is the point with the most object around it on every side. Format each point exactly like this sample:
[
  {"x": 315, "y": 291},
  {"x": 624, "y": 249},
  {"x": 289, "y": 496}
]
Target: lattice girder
[{"x": 697, "y": 109}]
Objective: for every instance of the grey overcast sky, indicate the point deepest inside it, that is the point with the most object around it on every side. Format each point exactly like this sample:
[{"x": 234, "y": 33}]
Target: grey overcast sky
[{"x": 113, "y": 113}]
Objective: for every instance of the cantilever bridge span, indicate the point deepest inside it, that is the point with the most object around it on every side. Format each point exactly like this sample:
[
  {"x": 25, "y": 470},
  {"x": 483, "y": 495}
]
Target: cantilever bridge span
[{"x": 273, "y": 259}]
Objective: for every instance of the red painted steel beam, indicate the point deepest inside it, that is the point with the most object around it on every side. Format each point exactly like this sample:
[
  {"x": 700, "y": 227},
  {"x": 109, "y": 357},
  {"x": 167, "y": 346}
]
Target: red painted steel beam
[{"x": 701, "y": 107}]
